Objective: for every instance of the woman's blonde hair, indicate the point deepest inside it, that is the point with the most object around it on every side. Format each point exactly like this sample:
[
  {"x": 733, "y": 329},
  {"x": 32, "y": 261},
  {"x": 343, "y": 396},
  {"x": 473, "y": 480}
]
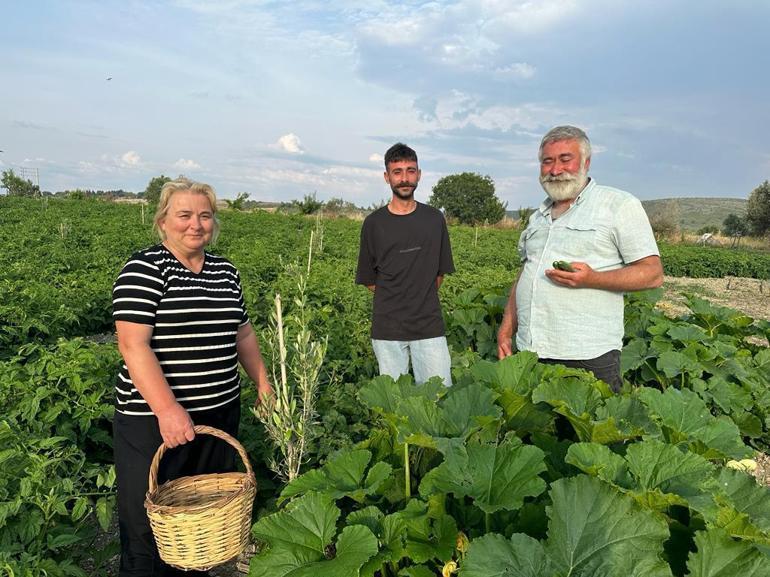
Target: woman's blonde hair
[{"x": 183, "y": 184}]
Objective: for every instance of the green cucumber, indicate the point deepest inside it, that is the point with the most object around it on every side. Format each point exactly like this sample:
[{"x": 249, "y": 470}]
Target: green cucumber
[{"x": 563, "y": 265}]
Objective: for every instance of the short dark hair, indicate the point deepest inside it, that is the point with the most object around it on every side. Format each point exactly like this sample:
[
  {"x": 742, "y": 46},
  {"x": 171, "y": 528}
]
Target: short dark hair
[{"x": 399, "y": 151}]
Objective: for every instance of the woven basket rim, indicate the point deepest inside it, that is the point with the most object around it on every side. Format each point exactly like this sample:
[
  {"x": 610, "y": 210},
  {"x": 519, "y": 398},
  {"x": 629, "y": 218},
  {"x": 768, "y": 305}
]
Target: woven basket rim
[{"x": 247, "y": 484}]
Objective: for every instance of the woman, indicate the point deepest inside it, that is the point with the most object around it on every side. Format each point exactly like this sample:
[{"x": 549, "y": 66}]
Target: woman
[{"x": 182, "y": 330}]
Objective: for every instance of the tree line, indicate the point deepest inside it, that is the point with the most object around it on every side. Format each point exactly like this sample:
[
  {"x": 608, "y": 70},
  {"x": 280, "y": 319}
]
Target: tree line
[{"x": 468, "y": 198}]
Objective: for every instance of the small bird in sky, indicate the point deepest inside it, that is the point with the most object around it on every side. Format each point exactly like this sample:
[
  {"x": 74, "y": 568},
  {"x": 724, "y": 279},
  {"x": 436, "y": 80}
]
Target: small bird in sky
[{"x": 109, "y": 78}]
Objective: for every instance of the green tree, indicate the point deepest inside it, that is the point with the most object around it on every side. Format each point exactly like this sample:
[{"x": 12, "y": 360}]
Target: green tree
[
  {"x": 239, "y": 202},
  {"x": 734, "y": 226},
  {"x": 308, "y": 205},
  {"x": 152, "y": 192},
  {"x": 709, "y": 228},
  {"x": 77, "y": 194},
  {"x": 468, "y": 197},
  {"x": 758, "y": 210},
  {"x": 17, "y": 186},
  {"x": 336, "y": 206}
]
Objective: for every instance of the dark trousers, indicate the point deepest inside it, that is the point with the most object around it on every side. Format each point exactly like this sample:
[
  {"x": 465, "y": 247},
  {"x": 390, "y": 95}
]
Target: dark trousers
[
  {"x": 136, "y": 438},
  {"x": 605, "y": 367}
]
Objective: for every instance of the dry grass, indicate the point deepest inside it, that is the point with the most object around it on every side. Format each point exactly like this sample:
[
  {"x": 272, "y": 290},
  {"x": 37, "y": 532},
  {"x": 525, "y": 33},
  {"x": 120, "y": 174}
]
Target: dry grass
[{"x": 748, "y": 242}]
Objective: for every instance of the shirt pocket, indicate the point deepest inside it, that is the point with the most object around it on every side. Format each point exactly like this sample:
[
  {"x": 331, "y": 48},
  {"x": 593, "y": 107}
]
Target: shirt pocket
[
  {"x": 590, "y": 242},
  {"x": 580, "y": 242},
  {"x": 532, "y": 242}
]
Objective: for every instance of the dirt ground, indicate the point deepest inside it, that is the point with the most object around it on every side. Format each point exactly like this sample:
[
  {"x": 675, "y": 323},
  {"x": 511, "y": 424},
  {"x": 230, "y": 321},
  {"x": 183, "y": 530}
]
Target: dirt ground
[{"x": 748, "y": 295}]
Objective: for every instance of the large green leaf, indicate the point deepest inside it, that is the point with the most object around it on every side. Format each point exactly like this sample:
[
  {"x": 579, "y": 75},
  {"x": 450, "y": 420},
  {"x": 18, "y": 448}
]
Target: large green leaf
[
  {"x": 576, "y": 394},
  {"x": 459, "y": 413},
  {"x": 341, "y": 476},
  {"x": 719, "y": 555},
  {"x": 495, "y": 476},
  {"x": 466, "y": 408},
  {"x": 299, "y": 539},
  {"x": 631, "y": 416},
  {"x": 675, "y": 363},
  {"x": 495, "y": 556},
  {"x": 518, "y": 373},
  {"x": 738, "y": 505},
  {"x": 384, "y": 394},
  {"x": 521, "y": 414},
  {"x": 391, "y": 533},
  {"x": 747, "y": 496},
  {"x": 599, "y": 461},
  {"x": 595, "y": 530},
  {"x": 688, "y": 418},
  {"x": 633, "y": 355},
  {"x": 430, "y": 534},
  {"x": 663, "y": 467},
  {"x": 571, "y": 390}
]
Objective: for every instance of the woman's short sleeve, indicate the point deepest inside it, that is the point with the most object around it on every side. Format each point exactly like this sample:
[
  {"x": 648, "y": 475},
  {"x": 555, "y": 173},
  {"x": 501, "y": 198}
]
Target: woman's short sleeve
[{"x": 137, "y": 291}]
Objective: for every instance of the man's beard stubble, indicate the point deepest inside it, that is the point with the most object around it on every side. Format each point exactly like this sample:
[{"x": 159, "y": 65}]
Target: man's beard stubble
[
  {"x": 404, "y": 196},
  {"x": 564, "y": 186}
]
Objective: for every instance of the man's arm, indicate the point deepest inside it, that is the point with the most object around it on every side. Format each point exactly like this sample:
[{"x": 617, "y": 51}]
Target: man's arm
[
  {"x": 509, "y": 324},
  {"x": 439, "y": 280},
  {"x": 645, "y": 273}
]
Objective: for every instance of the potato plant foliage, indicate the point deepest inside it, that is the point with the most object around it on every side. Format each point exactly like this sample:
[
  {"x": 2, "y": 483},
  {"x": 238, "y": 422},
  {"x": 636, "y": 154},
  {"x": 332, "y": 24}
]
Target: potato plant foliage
[{"x": 519, "y": 469}]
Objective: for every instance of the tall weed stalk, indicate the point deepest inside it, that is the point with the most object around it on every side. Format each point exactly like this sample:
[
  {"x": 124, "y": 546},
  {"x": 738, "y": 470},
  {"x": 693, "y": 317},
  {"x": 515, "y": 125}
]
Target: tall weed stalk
[{"x": 297, "y": 359}]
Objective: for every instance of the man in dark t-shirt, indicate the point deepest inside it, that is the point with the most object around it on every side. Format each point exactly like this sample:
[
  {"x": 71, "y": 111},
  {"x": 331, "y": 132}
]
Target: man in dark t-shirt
[{"x": 403, "y": 257}]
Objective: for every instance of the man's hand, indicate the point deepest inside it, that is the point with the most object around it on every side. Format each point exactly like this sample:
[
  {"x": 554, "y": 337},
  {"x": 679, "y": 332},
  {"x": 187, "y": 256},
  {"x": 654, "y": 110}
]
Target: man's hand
[
  {"x": 504, "y": 343},
  {"x": 645, "y": 273},
  {"x": 176, "y": 426},
  {"x": 581, "y": 277},
  {"x": 509, "y": 324}
]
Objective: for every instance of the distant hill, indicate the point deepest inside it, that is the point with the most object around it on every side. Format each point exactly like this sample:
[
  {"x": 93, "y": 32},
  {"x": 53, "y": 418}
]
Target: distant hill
[{"x": 695, "y": 213}]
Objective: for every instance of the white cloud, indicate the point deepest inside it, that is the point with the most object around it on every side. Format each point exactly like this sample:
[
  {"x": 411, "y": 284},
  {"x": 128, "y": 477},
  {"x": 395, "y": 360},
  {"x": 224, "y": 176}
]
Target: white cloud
[
  {"x": 459, "y": 110},
  {"x": 130, "y": 158},
  {"x": 516, "y": 70},
  {"x": 290, "y": 143},
  {"x": 186, "y": 164},
  {"x": 375, "y": 157}
]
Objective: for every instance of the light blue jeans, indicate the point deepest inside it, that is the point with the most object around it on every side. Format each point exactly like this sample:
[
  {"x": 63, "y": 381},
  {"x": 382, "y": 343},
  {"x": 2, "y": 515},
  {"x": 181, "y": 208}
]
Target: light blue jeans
[{"x": 430, "y": 358}]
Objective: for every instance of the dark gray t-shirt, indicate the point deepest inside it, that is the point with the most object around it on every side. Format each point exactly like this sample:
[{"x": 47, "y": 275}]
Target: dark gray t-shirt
[{"x": 402, "y": 255}]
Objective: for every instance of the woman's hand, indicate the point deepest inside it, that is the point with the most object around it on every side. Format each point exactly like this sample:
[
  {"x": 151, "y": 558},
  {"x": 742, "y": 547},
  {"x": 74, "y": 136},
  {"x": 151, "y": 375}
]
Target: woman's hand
[{"x": 176, "y": 426}]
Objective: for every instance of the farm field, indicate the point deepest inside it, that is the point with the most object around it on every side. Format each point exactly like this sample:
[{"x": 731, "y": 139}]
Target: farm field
[{"x": 519, "y": 465}]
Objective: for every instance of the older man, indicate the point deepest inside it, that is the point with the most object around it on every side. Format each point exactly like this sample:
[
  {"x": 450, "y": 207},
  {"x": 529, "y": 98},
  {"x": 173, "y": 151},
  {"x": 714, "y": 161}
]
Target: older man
[{"x": 575, "y": 316}]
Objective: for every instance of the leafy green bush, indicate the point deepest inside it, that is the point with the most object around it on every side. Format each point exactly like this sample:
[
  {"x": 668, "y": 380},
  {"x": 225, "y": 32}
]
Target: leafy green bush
[
  {"x": 541, "y": 467},
  {"x": 56, "y": 480}
]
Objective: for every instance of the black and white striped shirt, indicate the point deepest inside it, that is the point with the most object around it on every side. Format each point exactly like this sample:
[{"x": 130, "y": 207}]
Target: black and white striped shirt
[{"x": 195, "y": 320}]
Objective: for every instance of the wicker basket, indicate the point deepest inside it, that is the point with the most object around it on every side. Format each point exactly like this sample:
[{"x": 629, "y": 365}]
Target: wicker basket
[{"x": 204, "y": 520}]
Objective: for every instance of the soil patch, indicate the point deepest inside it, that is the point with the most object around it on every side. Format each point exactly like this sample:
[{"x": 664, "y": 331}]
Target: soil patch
[{"x": 747, "y": 295}]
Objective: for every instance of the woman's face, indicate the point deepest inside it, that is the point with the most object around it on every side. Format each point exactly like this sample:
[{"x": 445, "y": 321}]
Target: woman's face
[{"x": 189, "y": 222}]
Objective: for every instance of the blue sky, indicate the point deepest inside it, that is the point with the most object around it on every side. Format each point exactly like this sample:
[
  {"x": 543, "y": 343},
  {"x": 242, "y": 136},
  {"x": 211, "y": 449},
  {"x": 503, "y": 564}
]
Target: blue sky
[{"x": 281, "y": 99}]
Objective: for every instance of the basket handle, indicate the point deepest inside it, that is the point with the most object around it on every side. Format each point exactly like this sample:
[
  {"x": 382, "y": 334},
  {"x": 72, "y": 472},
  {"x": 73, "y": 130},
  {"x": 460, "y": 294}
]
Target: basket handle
[{"x": 205, "y": 430}]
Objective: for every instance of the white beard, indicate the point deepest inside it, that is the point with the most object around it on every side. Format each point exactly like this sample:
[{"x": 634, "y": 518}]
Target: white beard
[{"x": 564, "y": 186}]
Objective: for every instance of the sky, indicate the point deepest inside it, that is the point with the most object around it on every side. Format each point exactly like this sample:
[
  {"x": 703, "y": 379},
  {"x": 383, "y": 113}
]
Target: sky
[{"x": 281, "y": 99}]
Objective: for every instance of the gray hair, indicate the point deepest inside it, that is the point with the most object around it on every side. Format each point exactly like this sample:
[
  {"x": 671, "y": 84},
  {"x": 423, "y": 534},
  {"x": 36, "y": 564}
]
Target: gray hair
[{"x": 567, "y": 132}]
